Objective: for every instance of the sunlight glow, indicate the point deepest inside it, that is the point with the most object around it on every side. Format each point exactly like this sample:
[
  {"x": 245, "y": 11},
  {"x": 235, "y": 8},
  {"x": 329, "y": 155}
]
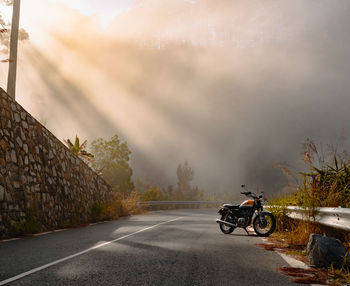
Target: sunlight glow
[
  {"x": 6, "y": 12},
  {"x": 105, "y": 10},
  {"x": 218, "y": 85}
]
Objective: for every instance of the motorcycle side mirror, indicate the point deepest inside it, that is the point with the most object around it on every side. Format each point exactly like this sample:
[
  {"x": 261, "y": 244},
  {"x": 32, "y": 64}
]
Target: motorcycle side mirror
[{"x": 243, "y": 185}]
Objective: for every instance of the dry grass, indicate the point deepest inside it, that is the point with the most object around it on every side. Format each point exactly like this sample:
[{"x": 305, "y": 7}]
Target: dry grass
[
  {"x": 306, "y": 276},
  {"x": 130, "y": 205},
  {"x": 282, "y": 242},
  {"x": 119, "y": 206},
  {"x": 317, "y": 276},
  {"x": 299, "y": 232}
]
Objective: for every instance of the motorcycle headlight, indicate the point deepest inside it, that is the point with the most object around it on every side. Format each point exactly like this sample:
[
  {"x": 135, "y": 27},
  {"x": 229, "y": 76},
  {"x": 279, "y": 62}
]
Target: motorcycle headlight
[{"x": 221, "y": 211}]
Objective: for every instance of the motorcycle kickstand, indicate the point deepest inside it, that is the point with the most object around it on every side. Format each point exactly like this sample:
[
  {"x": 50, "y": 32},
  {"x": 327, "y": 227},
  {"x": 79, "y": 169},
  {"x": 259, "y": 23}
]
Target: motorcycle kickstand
[{"x": 246, "y": 231}]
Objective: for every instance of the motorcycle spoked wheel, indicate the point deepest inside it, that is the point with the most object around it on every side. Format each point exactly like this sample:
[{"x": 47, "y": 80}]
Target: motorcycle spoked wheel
[
  {"x": 264, "y": 224},
  {"x": 224, "y": 228}
]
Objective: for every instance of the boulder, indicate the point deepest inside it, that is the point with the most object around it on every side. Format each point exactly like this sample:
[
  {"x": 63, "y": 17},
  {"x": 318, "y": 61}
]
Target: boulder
[{"x": 326, "y": 251}]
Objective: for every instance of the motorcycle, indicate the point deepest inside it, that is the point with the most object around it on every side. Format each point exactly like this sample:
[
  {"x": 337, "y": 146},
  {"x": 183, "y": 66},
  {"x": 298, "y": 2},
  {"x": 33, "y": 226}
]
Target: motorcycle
[{"x": 233, "y": 216}]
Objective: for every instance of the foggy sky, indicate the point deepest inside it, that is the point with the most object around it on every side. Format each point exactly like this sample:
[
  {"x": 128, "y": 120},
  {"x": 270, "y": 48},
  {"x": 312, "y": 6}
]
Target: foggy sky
[{"x": 233, "y": 87}]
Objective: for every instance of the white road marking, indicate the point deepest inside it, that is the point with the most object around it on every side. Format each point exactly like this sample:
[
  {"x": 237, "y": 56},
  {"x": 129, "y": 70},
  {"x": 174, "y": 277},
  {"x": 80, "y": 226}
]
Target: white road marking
[
  {"x": 292, "y": 261},
  {"x": 296, "y": 264},
  {"x": 11, "y": 239},
  {"x": 51, "y": 231},
  {"x": 19, "y": 276},
  {"x": 42, "y": 233}
]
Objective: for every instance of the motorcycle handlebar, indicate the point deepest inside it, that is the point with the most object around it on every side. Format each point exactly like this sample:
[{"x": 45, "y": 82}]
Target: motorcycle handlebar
[
  {"x": 246, "y": 193},
  {"x": 253, "y": 195}
]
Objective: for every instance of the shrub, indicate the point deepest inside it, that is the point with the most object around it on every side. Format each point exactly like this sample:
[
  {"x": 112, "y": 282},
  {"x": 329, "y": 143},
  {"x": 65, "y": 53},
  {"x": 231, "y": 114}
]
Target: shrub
[
  {"x": 328, "y": 186},
  {"x": 130, "y": 204},
  {"x": 152, "y": 194},
  {"x": 27, "y": 225},
  {"x": 98, "y": 212},
  {"x": 119, "y": 206}
]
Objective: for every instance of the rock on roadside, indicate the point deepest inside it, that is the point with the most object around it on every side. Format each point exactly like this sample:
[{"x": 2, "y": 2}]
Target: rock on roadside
[{"x": 326, "y": 251}]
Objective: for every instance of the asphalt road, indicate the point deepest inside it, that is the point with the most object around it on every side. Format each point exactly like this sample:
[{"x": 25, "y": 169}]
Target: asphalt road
[{"x": 182, "y": 247}]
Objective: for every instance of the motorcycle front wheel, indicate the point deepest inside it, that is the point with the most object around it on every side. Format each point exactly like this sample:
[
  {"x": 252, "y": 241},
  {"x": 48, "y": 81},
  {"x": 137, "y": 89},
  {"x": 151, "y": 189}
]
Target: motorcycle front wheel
[
  {"x": 224, "y": 228},
  {"x": 264, "y": 224}
]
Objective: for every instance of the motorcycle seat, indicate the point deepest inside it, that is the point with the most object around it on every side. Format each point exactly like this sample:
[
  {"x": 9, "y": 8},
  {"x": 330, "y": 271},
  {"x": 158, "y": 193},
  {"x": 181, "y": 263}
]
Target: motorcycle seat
[{"x": 231, "y": 206}]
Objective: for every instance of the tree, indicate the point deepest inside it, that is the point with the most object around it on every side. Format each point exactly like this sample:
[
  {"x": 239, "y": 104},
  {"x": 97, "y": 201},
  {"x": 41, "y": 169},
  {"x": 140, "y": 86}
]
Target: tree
[
  {"x": 152, "y": 194},
  {"x": 169, "y": 192},
  {"x": 185, "y": 175},
  {"x": 79, "y": 149},
  {"x": 111, "y": 161}
]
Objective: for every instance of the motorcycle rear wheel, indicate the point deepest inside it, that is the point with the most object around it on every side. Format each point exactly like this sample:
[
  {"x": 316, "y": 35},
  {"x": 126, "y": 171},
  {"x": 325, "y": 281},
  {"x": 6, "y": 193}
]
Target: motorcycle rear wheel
[
  {"x": 264, "y": 224},
  {"x": 224, "y": 228}
]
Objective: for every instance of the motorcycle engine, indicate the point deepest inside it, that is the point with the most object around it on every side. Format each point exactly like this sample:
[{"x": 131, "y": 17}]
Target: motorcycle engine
[{"x": 241, "y": 222}]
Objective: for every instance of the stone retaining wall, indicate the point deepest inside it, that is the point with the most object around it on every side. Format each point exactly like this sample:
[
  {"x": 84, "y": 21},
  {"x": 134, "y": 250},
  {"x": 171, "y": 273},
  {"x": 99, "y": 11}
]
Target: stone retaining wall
[{"x": 40, "y": 177}]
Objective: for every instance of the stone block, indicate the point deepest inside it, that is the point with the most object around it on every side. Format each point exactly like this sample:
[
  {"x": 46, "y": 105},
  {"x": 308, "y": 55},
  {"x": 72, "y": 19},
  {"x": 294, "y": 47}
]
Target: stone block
[
  {"x": 19, "y": 142},
  {"x": 3, "y": 144},
  {"x": 25, "y": 148},
  {"x": 8, "y": 157},
  {"x": 13, "y": 107},
  {"x": 23, "y": 115},
  {"x": 2, "y": 193},
  {"x": 13, "y": 156},
  {"x": 23, "y": 136},
  {"x": 17, "y": 117},
  {"x": 326, "y": 251}
]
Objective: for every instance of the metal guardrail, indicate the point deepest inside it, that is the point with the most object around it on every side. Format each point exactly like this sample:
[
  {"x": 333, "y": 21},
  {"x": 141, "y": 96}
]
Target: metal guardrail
[
  {"x": 338, "y": 218},
  {"x": 163, "y": 203}
]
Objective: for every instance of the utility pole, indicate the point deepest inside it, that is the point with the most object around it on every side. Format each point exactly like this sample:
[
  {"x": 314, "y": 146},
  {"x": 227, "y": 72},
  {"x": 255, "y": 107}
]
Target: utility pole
[{"x": 11, "y": 80}]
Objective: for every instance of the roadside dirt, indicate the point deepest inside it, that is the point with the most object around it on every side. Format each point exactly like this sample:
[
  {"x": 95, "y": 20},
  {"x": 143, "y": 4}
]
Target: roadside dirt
[{"x": 307, "y": 275}]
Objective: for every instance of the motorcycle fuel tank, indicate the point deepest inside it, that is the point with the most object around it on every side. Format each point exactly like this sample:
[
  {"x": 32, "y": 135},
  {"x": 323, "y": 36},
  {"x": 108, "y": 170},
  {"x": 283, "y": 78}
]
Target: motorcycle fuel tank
[{"x": 247, "y": 203}]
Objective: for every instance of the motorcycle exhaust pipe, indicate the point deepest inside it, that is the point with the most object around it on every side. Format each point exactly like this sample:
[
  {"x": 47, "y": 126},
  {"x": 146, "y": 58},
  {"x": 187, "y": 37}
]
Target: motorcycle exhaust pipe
[{"x": 225, "y": 223}]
